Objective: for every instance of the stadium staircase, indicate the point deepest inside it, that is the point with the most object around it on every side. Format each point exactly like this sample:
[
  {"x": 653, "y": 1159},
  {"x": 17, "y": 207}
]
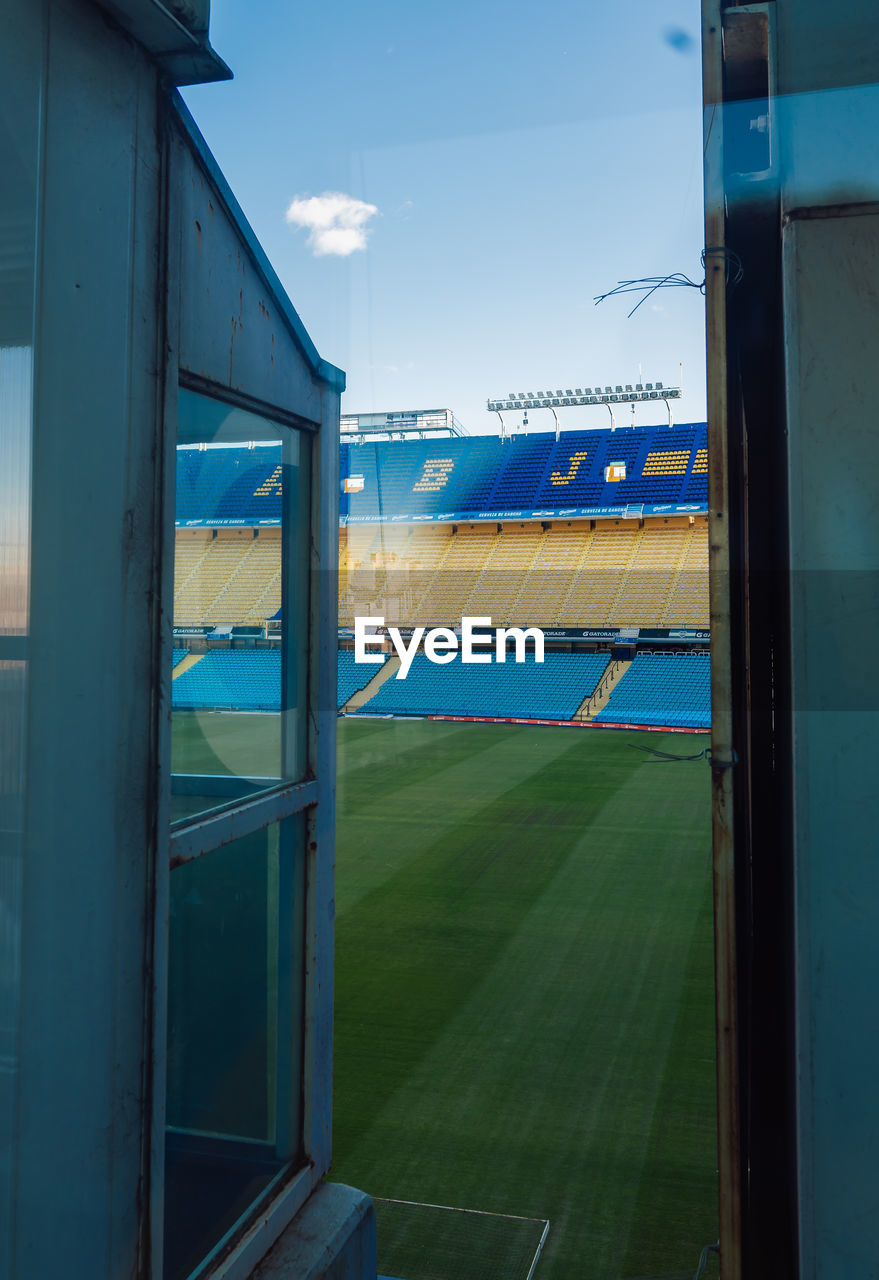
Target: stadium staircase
[
  {"x": 354, "y": 703},
  {"x": 667, "y": 689},
  {"x": 611, "y": 678},
  {"x": 184, "y": 665}
]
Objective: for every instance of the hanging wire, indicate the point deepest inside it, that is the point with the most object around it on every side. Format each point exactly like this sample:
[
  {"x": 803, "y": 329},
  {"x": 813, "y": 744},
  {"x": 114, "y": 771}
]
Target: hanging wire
[
  {"x": 734, "y": 269},
  {"x": 703, "y": 1258},
  {"x": 648, "y": 285},
  {"x": 704, "y": 754}
]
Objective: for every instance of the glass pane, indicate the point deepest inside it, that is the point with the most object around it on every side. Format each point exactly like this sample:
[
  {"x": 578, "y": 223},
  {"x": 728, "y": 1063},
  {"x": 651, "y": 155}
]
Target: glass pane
[
  {"x": 20, "y": 63},
  {"x": 240, "y": 604},
  {"x": 234, "y": 1034}
]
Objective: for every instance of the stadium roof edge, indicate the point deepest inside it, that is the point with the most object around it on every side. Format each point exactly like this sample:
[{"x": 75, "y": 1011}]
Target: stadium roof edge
[{"x": 619, "y": 430}]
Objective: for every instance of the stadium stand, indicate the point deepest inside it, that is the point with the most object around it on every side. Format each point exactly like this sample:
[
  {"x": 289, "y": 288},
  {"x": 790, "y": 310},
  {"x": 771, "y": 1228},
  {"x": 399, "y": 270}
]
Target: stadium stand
[
  {"x": 217, "y": 487},
  {"x": 480, "y": 476},
  {"x": 687, "y": 603},
  {"x": 487, "y": 477},
  {"x": 472, "y": 554},
  {"x": 251, "y": 679},
  {"x": 662, "y": 689},
  {"x": 551, "y": 690},
  {"x": 246, "y": 680},
  {"x": 232, "y": 578},
  {"x": 529, "y": 532},
  {"x": 564, "y": 575},
  {"x": 649, "y": 577},
  {"x": 177, "y": 656},
  {"x": 353, "y": 676}
]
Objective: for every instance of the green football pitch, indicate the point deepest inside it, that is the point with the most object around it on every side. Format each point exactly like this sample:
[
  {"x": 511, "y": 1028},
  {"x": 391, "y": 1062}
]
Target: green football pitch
[{"x": 524, "y": 998}]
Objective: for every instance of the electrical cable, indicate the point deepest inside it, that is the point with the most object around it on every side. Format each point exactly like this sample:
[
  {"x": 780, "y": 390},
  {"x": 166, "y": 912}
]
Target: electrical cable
[
  {"x": 704, "y": 754},
  {"x": 666, "y": 755},
  {"x": 703, "y": 1258},
  {"x": 677, "y": 279}
]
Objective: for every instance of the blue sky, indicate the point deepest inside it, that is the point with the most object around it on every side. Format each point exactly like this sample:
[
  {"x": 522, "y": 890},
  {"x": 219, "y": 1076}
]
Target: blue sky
[{"x": 520, "y": 161}]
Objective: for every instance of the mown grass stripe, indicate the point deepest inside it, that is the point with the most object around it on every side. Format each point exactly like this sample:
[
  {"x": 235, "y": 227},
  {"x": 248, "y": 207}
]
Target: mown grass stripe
[
  {"x": 415, "y": 794},
  {"x": 541, "y": 1091},
  {"x": 411, "y": 949}
]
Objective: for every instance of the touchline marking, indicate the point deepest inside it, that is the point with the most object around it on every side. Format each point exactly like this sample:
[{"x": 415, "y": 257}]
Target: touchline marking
[{"x": 482, "y": 1213}]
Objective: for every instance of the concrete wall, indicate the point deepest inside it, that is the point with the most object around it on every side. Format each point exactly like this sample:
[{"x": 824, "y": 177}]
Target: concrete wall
[{"x": 828, "y": 117}]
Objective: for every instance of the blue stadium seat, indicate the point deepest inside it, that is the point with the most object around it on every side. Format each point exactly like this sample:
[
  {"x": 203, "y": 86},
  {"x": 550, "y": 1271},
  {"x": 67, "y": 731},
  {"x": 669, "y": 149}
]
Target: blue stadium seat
[
  {"x": 551, "y": 690},
  {"x": 250, "y": 679},
  {"x": 475, "y": 475},
  {"x": 244, "y": 679},
  {"x": 662, "y": 689}
]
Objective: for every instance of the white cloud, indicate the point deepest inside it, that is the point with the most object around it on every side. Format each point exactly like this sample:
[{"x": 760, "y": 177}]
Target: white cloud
[{"x": 336, "y": 223}]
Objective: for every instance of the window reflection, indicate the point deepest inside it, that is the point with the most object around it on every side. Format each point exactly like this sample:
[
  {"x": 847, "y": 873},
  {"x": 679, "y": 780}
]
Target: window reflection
[{"x": 240, "y": 579}]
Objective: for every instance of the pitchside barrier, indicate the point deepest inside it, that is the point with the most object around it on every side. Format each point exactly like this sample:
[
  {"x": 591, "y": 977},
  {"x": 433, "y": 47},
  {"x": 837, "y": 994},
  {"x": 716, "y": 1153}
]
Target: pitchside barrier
[
  {"x": 571, "y": 724},
  {"x": 419, "y": 1241}
]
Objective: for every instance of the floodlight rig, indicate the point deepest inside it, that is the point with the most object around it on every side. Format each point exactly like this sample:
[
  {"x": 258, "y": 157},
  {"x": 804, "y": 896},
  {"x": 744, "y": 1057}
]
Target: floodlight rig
[{"x": 608, "y": 396}]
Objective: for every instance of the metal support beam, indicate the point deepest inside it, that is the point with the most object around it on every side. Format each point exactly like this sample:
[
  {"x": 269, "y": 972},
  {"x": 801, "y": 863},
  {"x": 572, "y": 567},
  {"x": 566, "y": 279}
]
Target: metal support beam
[{"x": 726, "y": 989}]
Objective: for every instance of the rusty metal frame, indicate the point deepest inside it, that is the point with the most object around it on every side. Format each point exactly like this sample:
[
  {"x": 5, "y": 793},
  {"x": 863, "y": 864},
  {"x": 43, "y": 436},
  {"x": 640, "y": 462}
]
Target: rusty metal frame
[
  {"x": 722, "y": 745},
  {"x": 241, "y": 400},
  {"x": 214, "y": 830}
]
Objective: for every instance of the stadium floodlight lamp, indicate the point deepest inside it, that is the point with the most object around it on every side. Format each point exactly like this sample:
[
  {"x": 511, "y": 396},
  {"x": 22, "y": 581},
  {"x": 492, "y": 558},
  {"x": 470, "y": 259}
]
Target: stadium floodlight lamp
[{"x": 609, "y": 395}]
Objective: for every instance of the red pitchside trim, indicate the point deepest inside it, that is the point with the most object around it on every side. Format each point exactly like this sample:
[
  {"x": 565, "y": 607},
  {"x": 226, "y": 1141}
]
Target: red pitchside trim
[{"x": 573, "y": 724}]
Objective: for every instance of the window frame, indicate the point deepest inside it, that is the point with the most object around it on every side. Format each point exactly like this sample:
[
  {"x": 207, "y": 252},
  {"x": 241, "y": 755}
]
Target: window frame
[{"x": 185, "y": 153}]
